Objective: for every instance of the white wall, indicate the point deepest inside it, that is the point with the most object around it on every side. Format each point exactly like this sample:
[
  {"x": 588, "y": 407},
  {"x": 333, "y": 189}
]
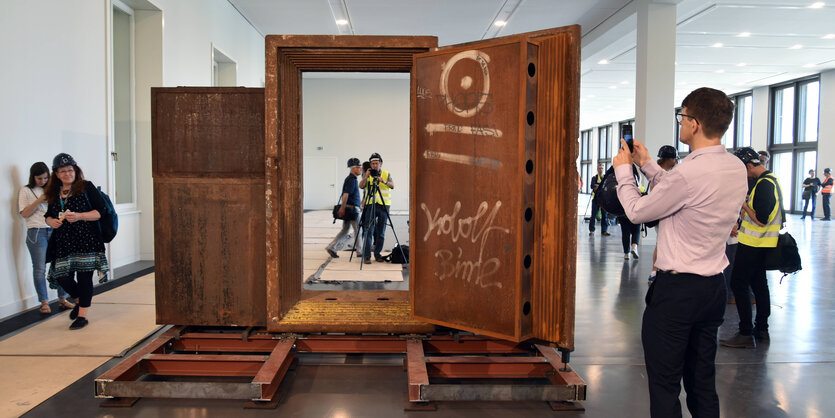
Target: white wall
[
  {"x": 354, "y": 118},
  {"x": 54, "y": 98}
]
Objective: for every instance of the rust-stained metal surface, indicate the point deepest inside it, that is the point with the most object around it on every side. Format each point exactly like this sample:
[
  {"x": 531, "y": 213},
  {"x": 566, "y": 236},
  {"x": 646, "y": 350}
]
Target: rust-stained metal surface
[
  {"x": 555, "y": 212},
  {"x": 472, "y": 143},
  {"x": 354, "y": 311},
  {"x": 494, "y": 143},
  {"x": 208, "y": 167},
  {"x": 287, "y": 56}
]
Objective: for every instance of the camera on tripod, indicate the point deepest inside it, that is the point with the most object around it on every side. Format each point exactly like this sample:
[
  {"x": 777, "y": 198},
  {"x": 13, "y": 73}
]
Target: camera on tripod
[{"x": 374, "y": 172}]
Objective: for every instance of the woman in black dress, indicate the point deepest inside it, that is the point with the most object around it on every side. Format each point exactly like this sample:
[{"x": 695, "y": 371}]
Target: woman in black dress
[{"x": 75, "y": 248}]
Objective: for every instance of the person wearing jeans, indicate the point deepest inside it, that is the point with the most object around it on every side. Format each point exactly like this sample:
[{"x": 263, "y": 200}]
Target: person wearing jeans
[
  {"x": 32, "y": 206},
  {"x": 810, "y": 192}
]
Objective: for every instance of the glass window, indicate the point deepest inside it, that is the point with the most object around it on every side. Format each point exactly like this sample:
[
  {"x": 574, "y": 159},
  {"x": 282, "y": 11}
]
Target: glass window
[
  {"x": 807, "y": 124},
  {"x": 604, "y": 143},
  {"x": 744, "y": 112},
  {"x": 585, "y": 145},
  {"x": 585, "y": 173},
  {"x": 585, "y": 157},
  {"x": 123, "y": 117},
  {"x": 794, "y": 135},
  {"x": 805, "y": 161},
  {"x": 782, "y": 164},
  {"x": 784, "y": 115},
  {"x": 728, "y": 138}
]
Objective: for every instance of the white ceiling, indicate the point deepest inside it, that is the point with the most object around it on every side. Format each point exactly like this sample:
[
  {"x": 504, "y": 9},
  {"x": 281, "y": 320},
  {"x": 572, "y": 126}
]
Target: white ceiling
[{"x": 609, "y": 32}]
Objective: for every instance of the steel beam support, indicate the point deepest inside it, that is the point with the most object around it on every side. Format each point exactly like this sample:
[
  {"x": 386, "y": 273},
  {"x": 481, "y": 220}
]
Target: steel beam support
[
  {"x": 272, "y": 372},
  {"x": 416, "y": 370},
  {"x": 192, "y": 390},
  {"x": 129, "y": 368}
]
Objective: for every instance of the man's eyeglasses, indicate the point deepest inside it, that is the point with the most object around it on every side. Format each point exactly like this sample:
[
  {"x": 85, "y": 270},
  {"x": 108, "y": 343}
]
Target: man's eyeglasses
[{"x": 680, "y": 116}]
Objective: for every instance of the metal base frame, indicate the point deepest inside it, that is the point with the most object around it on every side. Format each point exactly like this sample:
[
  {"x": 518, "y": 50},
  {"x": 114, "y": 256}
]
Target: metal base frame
[
  {"x": 469, "y": 372},
  {"x": 247, "y": 364}
]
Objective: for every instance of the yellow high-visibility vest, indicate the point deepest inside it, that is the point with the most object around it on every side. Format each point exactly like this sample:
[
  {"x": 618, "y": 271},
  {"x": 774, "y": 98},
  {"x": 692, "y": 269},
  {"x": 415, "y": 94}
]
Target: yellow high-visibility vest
[
  {"x": 385, "y": 190},
  {"x": 754, "y": 235}
]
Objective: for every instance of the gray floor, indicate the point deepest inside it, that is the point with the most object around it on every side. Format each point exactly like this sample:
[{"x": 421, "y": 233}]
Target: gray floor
[{"x": 790, "y": 377}]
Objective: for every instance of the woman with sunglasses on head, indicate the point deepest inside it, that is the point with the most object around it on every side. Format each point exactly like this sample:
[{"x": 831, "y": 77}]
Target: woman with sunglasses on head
[
  {"x": 76, "y": 249},
  {"x": 31, "y": 203}
]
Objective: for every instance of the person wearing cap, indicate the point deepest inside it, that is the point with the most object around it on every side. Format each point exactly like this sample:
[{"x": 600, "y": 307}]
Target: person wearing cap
[
  {"x": 75, "y": 249},
  {"x": 667, "y": 159},
  {"x": 349, "y": 208},
  {"x": 383, "y": 201},
  {"x": 811, "y": 185},
  {"x": 697, "y": 205},
  {"x": 762, "y": 219},
  {"x": 764, "y": 158},
  {"x": 826, "y": 193}
]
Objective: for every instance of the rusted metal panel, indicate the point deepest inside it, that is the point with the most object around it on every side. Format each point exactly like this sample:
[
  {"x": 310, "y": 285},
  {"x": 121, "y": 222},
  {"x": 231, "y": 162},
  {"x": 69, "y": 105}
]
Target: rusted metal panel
[
  {"x": 208, "y": 166},
  {"x": 287, "y": 56},
  {"x": 537, "y": 254},
  {"x": 471, "y": 188},
  {"x": 555, "y": 213}
]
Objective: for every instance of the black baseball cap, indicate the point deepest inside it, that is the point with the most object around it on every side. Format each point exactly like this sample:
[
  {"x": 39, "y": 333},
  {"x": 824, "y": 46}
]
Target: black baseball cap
[
  {"x": 353, "y": 162},
  {"x": 748, "y": 155},
  {"x": 62, "y": 160},
  {"x": 375, "y": 156},
  {"x": 667, "y": 151}
]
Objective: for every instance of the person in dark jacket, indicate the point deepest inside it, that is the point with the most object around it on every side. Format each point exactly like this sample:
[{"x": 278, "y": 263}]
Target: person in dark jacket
[
  {"x": 811, "y": 186},
  {"x": 75, "y": 249},
  {"x": 596, "y": 182}
]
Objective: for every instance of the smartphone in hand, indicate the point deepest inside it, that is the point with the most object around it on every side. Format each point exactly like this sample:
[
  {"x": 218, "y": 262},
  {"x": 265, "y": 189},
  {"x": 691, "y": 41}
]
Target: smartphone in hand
[{"x": 626, "y": 134}]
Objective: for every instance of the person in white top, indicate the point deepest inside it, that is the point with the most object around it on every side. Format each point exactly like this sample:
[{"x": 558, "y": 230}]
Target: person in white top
[{"x": 31, "y": 203}]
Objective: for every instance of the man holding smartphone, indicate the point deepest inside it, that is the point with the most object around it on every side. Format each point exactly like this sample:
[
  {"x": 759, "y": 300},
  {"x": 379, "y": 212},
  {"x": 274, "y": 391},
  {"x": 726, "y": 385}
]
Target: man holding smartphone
[{"x": 697, "y": 203}]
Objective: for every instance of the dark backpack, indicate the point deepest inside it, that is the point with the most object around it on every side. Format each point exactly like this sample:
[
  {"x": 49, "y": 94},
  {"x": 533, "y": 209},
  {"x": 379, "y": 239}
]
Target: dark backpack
[
  {"x": 109, "y": 221},
  {"x": 399, "y": 255}
]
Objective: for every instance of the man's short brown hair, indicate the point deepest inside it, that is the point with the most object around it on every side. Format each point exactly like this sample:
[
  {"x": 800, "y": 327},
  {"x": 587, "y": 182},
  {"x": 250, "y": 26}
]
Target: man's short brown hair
[{"x": 712, "y": 108}]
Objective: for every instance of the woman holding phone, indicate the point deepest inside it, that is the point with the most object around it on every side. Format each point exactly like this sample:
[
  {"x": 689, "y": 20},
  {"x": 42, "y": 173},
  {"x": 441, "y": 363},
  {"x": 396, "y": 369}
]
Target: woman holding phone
[
  {"x": 76, "y": 248},
  {"x": 31, "y": 203}
]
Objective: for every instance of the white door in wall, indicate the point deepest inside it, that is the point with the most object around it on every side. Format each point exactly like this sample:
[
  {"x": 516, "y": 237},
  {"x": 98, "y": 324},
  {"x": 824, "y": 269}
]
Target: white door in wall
[{"x": 321, "y": 188}]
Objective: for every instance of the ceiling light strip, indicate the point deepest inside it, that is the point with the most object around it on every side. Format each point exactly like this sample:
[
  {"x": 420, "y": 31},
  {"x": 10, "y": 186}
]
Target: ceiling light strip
[
  {"x": 509, "y": 7},
  {"x": 339, "y": 10}
]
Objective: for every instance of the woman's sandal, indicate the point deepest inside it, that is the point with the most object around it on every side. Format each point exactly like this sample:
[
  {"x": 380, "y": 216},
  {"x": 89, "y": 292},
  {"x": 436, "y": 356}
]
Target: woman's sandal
[
  {"x": 45, "y": 308},
  {"x": 65, "y": 304}
]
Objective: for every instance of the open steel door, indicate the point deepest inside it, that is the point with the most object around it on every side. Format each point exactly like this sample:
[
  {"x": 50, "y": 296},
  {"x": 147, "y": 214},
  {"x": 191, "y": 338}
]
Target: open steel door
[{"x": 494, "y": 127}]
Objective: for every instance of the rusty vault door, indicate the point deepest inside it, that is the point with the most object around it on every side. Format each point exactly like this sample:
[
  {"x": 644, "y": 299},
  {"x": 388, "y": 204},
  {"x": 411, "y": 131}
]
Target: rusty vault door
[{"x": 494, "y": 144}]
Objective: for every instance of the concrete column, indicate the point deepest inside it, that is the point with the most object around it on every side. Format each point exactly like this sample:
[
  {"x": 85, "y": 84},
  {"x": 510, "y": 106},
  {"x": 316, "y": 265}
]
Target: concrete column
[
  {"x": 759, "y": 119},
  {"x": 826, "y": 129},
  {"x": 655, "y": 71}
]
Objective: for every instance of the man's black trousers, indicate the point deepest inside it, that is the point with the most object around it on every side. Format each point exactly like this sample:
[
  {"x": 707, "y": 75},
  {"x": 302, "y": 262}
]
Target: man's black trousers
[
  {"x": 749, "y": 271},
  {"x": 679, "y": 334}
]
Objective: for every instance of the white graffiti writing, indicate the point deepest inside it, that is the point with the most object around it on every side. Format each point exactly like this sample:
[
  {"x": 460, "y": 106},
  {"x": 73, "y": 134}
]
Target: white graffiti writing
[
  {"x": 476, "y": 229},
  {"x": 424, "y": 93}
]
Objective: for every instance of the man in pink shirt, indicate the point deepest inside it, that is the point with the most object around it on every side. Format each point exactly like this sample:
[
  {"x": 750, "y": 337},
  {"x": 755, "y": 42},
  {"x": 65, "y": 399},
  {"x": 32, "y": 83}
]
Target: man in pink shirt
[{"x": 698, "y": 203}]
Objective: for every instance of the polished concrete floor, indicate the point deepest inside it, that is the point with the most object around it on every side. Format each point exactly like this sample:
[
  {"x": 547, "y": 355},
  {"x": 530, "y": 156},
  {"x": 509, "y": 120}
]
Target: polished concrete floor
[{"x": 790, "y": 377}]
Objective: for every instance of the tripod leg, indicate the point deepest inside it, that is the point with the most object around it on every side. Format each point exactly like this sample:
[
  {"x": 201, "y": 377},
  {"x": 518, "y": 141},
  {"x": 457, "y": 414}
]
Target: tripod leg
[
  {"x": 369, "y": 223},
  {"x": 388, "y": 217},
  {"x": 356, "y": 238}
]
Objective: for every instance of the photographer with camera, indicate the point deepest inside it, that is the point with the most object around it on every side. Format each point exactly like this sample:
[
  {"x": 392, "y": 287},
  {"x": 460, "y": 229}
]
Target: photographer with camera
[
  {"x": 377, "y": 184},
  {"x": 697, "y": 204},
  {"x": 349, "y": 208}
]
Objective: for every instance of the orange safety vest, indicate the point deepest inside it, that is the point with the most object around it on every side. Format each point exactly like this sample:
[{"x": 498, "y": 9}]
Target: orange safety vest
[{"x": 828, "y": 187}]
